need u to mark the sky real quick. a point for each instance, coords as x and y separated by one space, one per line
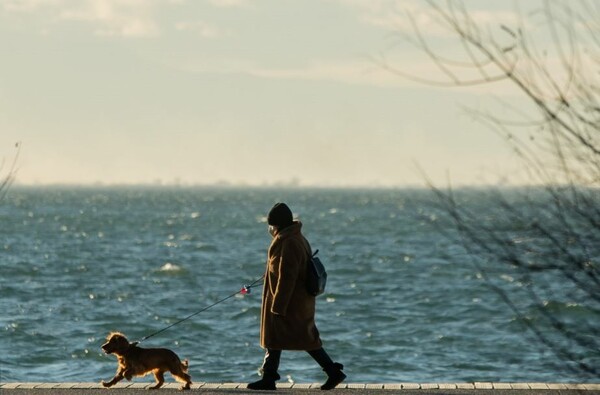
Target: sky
238 92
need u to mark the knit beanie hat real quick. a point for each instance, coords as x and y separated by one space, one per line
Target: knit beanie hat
280 216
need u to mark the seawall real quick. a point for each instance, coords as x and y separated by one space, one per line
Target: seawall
126 388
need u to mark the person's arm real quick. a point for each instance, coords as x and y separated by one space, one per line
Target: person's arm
289 268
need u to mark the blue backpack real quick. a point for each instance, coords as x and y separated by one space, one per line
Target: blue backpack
316 276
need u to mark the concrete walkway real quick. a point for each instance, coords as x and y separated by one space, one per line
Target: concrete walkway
128 388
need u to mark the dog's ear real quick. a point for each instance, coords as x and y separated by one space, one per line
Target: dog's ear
115 335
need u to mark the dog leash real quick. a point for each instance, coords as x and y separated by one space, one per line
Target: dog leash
246 289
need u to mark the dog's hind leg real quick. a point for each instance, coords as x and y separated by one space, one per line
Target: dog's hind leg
185 378
179 372
159 375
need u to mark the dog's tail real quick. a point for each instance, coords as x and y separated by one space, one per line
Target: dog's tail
185 365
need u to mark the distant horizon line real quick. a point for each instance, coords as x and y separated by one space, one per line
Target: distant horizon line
210 185
227 185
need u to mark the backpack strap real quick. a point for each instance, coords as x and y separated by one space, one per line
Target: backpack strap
309 253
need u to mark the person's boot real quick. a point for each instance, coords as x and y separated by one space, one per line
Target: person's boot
335 376
267 383
269 372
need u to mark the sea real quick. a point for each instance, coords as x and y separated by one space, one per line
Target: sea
405 301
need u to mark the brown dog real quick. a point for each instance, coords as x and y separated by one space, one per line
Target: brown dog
137 361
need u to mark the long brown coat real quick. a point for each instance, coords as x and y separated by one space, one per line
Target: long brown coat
288 310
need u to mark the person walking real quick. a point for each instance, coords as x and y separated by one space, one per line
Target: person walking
288 310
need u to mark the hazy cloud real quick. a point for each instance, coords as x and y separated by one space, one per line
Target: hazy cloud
348 71
399 16
125 18
203 29
229 3
28 5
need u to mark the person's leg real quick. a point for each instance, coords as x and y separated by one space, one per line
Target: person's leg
333 369
269 371
271 363
322 358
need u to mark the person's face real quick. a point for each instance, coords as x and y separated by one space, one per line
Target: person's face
272 230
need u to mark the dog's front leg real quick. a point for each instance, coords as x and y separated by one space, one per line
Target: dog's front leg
118 377
128 374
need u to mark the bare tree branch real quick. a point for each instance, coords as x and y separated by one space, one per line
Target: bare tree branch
10 175
550 232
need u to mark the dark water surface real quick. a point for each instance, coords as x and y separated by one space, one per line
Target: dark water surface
403 303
